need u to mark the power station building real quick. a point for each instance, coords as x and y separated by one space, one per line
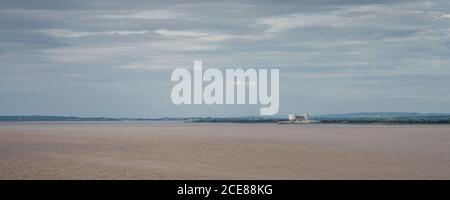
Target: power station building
293 117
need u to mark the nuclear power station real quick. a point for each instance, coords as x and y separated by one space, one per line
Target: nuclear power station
298 119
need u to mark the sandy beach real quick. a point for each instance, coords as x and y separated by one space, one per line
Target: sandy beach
169 150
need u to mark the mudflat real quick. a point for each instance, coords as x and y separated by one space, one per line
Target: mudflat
176 150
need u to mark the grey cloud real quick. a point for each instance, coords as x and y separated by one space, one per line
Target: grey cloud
122 52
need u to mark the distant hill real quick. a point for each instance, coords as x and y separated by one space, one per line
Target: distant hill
53 118
362 117
72 118
385 117
380 115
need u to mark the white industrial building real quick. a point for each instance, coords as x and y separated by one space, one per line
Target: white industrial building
298 119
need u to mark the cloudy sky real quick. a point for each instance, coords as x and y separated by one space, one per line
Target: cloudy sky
114 58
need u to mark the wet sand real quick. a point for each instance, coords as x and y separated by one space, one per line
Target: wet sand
149 150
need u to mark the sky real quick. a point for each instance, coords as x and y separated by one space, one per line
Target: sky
114 58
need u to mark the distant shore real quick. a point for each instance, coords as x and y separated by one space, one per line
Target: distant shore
352 118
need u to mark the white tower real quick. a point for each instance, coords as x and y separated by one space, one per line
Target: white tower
291 117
